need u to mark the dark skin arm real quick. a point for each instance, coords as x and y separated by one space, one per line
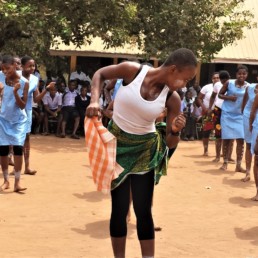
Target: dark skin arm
212 99
37 96
108 112
21 102
223 91
200 98
175 119
245 99
253 112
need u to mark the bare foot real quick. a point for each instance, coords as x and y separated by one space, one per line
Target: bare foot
240 169
4 186
224 166
255 198
216 160
205 154
18 189
231 161
30 172
246 178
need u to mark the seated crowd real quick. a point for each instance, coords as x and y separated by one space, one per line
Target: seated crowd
62 110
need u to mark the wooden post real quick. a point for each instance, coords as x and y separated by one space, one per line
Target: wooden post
73 63
115 60
198 74
156 63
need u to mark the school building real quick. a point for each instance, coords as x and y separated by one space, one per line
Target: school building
95 55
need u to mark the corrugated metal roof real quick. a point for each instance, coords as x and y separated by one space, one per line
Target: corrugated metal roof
246 49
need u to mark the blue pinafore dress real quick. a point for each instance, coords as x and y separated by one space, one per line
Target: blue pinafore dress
12 118
231 116
247 111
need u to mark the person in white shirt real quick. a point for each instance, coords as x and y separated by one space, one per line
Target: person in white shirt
80 77
52 104
69 110
204 101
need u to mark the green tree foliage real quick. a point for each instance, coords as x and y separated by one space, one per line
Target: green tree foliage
158 27
204 26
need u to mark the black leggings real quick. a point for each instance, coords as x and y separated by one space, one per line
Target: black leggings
17 150
142 187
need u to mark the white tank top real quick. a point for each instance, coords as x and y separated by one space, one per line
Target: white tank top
132 113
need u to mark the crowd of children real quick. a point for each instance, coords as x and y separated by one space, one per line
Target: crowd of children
208 109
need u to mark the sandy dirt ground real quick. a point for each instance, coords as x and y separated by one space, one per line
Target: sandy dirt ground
203 211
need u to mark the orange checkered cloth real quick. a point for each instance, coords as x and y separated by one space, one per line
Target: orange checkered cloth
101 146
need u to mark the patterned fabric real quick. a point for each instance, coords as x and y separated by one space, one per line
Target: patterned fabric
207 123
139 154
216 121
101 146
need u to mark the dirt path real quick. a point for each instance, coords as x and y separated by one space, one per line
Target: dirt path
203 211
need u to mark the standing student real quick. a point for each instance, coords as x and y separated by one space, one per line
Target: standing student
28 68
215 100
13 120
69 110
140 148
204 100
253 125
248 100
231 117
82 101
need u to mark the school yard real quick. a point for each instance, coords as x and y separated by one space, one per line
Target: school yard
203 212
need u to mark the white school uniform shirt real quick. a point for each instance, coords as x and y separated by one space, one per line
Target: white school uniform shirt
52 103
207 91
217 87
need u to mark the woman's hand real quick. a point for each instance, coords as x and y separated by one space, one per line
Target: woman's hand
209 112
50 86
93 110
16 87
232 98
178 123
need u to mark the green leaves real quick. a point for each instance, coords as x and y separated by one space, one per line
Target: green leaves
29 27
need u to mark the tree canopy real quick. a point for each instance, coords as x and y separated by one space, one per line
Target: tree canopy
205 26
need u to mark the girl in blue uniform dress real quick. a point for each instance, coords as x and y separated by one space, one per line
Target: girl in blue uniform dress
231 117
253 124
249 96
28 68
13 119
